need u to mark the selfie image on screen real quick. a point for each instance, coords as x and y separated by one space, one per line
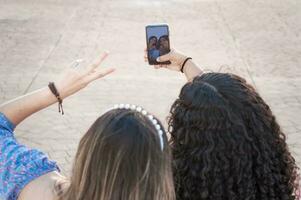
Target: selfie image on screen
158 42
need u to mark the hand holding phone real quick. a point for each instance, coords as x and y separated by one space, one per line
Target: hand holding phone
179 62
157 41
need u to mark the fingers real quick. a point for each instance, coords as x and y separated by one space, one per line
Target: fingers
163 66
99 74
164 58
101 59
145 55
104 72
160 66
97 63
157 66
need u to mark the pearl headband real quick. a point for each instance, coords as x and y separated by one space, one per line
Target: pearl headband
149 116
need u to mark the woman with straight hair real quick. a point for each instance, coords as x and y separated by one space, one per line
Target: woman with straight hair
225 140
124 155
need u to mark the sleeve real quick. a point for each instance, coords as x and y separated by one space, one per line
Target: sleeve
6 126
18 164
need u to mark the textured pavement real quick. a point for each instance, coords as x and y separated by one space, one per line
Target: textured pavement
257 39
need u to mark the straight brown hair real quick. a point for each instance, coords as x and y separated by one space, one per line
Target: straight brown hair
120 158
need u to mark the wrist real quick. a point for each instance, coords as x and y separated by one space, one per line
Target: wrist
48 95
184 63
62 89
52 87
191 70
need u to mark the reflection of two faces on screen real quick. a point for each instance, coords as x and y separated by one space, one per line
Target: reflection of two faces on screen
157 42
162 43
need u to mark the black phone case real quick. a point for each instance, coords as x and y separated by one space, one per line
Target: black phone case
151 62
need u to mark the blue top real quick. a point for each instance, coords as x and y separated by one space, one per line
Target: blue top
18 164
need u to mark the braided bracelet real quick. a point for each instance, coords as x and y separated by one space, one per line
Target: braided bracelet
55 92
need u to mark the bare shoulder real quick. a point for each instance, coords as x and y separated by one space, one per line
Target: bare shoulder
41 188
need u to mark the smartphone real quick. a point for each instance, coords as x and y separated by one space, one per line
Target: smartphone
157 42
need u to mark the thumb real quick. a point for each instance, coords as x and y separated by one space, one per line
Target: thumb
164 58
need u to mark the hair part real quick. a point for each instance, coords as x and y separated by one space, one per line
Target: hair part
120 158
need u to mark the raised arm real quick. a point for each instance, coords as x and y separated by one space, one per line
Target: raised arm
190 69
71 82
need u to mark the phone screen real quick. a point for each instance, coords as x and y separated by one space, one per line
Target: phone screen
158 44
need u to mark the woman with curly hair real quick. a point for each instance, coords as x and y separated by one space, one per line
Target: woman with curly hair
226 141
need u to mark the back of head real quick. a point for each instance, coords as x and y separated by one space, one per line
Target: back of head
227 144
120 158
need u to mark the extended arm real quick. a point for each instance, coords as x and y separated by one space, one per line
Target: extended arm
177 59
20 108
72 81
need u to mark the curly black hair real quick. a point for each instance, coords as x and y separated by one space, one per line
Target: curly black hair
227 144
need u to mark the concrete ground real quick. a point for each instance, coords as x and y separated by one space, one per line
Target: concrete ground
257 39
